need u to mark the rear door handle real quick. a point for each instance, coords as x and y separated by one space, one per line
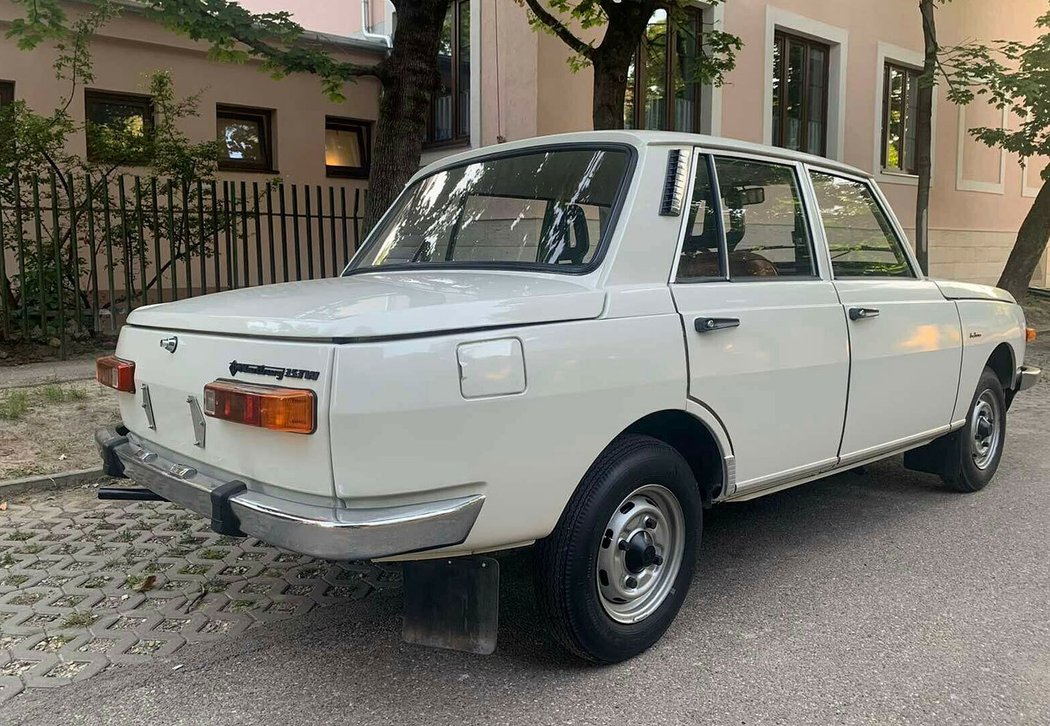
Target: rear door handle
706 325
863 313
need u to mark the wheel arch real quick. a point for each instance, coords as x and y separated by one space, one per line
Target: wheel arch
706 451
1003 362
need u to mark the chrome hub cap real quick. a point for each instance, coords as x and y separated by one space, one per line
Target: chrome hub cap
640 553
985 433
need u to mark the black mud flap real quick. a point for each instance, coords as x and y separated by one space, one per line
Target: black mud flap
937 457
107 441
452 604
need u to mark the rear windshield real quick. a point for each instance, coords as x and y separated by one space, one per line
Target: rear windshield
550 208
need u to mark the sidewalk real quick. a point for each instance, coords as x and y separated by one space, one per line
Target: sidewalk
35 374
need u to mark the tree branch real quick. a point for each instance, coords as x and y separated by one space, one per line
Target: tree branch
559 28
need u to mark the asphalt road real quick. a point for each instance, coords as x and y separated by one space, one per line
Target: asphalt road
873 597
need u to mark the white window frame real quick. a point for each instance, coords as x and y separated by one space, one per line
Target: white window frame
962 184
889 53
837 39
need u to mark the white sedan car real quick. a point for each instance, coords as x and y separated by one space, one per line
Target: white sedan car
579 342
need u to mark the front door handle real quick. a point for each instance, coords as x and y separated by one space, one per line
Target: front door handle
706 325
863 313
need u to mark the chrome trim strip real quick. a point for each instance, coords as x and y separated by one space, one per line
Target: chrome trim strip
892 447
200 426
332 533
147 406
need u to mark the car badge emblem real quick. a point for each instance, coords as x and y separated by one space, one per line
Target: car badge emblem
170 344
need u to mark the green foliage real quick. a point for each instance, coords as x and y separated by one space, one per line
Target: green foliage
1008 75
14 405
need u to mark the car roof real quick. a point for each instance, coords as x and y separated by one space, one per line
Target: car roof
640 139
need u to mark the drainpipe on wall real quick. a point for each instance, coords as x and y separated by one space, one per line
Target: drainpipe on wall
368 33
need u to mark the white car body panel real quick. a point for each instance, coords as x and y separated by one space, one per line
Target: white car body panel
438 384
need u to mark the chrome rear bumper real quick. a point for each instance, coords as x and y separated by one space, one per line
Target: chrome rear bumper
332 533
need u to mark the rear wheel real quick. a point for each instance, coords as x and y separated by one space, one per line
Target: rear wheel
613 574
979 446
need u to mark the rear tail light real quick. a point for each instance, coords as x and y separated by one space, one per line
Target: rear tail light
1030 335
116 373
269 407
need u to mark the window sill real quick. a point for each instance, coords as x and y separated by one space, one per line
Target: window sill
463 143
246 170
890 176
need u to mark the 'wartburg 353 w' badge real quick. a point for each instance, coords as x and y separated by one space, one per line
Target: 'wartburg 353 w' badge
277 372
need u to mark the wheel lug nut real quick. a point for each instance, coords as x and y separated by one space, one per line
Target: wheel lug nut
650 523
631 582
658 560
622 544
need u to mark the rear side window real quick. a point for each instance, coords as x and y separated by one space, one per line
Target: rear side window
759 218
861 239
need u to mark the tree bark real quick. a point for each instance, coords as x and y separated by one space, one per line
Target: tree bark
1029 248
924 136
409 77
612 60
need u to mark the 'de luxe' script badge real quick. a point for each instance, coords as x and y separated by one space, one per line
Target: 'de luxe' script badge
277 372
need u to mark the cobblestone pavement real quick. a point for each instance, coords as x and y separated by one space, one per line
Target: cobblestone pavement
86 584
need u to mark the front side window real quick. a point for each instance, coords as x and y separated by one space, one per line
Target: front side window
347 148
118 126
449 119
800 94
245 139
663 91
549 208
861 240
900 113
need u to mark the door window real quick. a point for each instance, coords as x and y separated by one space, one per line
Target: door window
861 240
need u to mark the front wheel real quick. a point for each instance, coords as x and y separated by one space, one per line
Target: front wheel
613 574
979 445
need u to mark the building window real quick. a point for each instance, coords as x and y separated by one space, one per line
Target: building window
245 139
900 112
118 126
7 93
449 119
663 91
347 148
800 94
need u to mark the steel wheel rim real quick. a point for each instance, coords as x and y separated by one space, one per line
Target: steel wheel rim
640 553
985 430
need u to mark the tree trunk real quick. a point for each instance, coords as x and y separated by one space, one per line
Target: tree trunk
924 136
1029 248
408 76
612 60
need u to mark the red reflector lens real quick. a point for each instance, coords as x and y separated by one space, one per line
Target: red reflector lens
280 409
116 373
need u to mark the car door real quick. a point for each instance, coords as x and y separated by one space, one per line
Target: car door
905 337
766 338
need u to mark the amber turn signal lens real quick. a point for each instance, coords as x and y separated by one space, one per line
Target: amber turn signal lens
1030 335
269 407
116 373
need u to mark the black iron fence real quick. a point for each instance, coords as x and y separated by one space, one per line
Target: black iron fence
80 253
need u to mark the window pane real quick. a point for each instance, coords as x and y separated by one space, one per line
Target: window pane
894 119
463 92
7 93
550 208
242 139
344 145
441 105
655 56
911 116
861 241
117 126
795 91
683 76
766 231
701 256
628 104
815 101
123 117
778 90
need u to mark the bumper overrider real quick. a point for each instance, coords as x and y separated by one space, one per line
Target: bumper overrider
332 533
1028 377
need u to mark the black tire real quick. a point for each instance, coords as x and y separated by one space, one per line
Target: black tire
566 561
966 471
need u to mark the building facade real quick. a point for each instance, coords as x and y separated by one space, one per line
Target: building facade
831 77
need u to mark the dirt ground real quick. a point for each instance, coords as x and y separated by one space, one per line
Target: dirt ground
49 429
1037 311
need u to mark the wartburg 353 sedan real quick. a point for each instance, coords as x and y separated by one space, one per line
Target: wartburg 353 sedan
579 342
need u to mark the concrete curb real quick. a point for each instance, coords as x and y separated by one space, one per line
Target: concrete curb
49 482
